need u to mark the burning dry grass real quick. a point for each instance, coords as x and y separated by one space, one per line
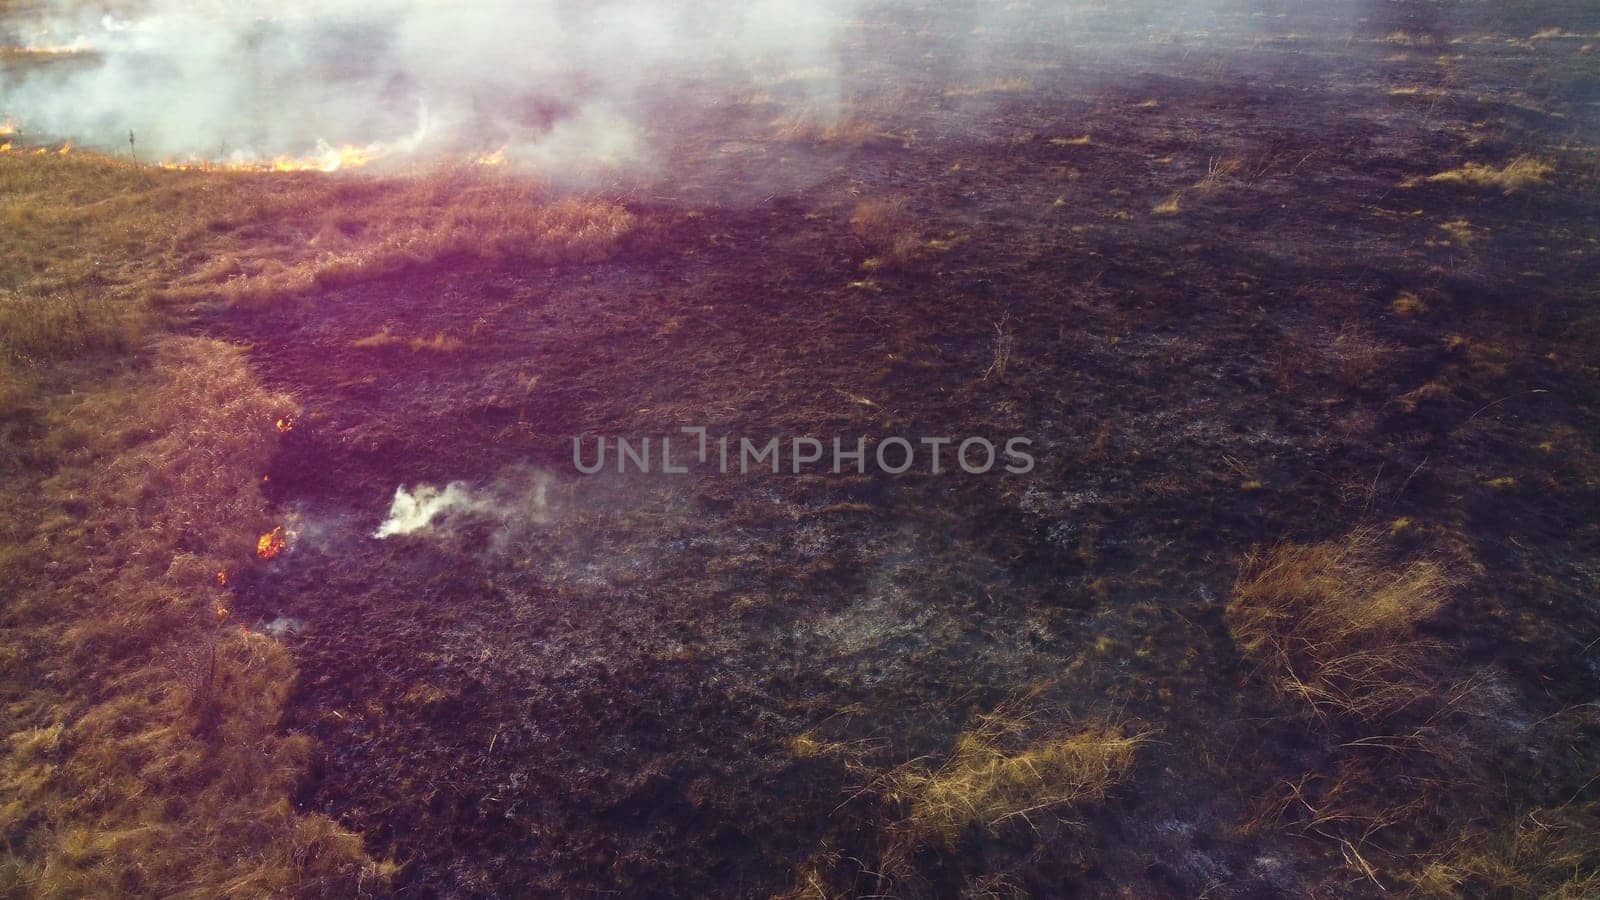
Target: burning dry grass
145 755
1518 174
1330 625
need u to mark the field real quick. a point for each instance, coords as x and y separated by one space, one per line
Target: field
1298 304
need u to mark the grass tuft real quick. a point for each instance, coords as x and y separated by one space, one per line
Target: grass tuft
883 226
1332 626
994 775
1518 174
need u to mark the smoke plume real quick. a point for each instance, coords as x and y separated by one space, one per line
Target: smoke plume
411 512
516 499
547 83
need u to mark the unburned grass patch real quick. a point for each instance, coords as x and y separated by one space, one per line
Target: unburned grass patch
57 325
91 241
1010 771
1334 627
145 756
384 339
1553 853
883 225
994 775
1518 174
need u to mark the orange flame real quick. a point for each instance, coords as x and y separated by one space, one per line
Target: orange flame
8 127
222 613
272 544
284 426
78 46
5 148
65 148
497 158
327 158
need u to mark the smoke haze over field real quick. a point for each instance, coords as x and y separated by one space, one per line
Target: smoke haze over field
562 88
554 83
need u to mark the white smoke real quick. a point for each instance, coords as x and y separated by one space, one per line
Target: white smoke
411 512
552 83
517 498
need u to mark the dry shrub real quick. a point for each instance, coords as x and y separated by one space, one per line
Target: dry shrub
146 757
1522 172
995 774
883 225
1332 626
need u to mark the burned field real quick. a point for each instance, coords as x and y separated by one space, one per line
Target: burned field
1297 309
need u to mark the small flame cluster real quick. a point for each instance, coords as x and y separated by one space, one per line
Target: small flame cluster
272 544
284 426
63 150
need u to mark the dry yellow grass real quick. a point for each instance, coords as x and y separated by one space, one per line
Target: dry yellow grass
1218 171
1522 172
995 774
90 242
883 225
1549 853
1332 626
144 756
439 343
